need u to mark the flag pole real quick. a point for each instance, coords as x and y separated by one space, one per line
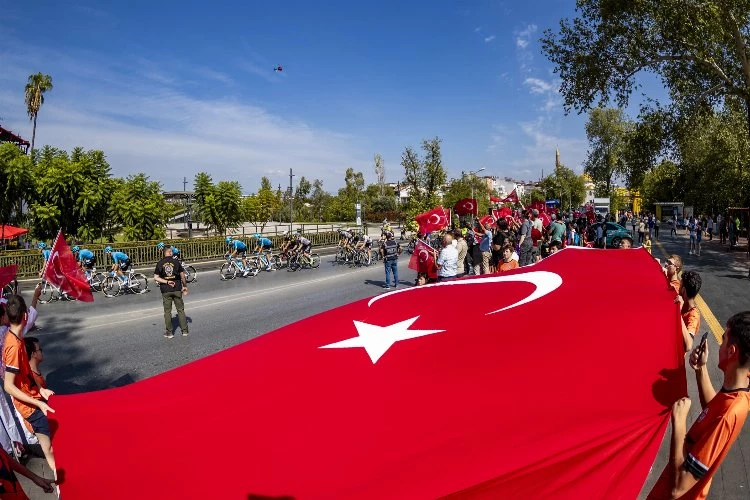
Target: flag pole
46 262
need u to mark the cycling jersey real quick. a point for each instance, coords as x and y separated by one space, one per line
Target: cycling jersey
265 242
119 257
46 254
346 235
238 245
85 254
367 240
303 241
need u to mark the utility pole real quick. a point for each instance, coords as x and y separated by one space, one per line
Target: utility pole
291 199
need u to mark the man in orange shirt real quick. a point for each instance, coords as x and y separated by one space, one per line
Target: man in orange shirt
29 400
696 454
691 316
508 263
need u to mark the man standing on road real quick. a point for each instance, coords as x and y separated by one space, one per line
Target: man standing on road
525 241
447 261
463 249
171 278
697 454
390 251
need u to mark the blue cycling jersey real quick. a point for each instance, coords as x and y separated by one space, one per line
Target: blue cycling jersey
46 254
238 245
265 242
85 254
118 257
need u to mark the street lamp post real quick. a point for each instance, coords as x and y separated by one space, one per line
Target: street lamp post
472 185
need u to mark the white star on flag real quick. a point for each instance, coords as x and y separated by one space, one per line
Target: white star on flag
376 340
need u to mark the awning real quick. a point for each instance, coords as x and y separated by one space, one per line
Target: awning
10 232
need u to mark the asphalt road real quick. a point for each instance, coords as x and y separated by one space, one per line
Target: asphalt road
116 341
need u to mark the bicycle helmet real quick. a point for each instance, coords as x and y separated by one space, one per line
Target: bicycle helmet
41 245
389 234
256 235
299 230
108 250
228 240
160 245
76 249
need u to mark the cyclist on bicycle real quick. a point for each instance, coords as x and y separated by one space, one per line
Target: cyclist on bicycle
85 257
263 245
237 247
364 241
175 250
120 262
303 243
288 245
46 252
344 238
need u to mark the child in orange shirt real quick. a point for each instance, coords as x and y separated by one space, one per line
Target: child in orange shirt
508 263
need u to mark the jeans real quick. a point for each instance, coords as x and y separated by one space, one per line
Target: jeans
525 257
391 266
167 299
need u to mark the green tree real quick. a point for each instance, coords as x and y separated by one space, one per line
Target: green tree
319 200
16 182
461 188
301 193
36 87
698 49
260 208
607 130
380 173
566 186
662 183
203 185
423 178
138 206
435 175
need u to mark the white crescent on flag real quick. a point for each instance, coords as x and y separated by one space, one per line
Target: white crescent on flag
437 217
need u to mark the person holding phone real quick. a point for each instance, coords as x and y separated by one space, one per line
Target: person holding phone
696 454
691 316
170 275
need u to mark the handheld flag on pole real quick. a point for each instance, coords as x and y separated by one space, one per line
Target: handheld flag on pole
63 271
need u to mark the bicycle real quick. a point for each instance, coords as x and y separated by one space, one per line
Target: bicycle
10 289
299 261
190 273
261 261
51 292
114 285
362 256
94 278
344 255
230 268
281 260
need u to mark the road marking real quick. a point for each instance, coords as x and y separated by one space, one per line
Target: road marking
706 312
210 301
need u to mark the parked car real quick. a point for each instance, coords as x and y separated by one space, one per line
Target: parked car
615 234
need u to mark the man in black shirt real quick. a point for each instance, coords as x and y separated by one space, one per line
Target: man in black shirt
171 278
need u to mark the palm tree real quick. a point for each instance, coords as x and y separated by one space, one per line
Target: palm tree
37 85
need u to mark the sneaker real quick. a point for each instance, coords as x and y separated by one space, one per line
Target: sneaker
386 287
185 333
245 273
168 335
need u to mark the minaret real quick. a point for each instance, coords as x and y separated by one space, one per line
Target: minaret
557 158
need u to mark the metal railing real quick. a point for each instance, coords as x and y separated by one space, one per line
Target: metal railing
145 252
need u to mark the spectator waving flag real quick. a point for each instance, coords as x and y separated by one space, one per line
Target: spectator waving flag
63 271
423 259
466 206
372 399
432 220
7 274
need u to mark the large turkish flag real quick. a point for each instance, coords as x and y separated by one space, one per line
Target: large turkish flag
466 206
407 396
63 271
432 220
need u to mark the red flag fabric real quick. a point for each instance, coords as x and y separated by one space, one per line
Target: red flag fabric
63 271
10 232
545 219
511 198
539 205
432 220
495 199
502 213
466 206
487 221
400 397
423 259
7 274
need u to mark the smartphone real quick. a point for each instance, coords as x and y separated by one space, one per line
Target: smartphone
702 345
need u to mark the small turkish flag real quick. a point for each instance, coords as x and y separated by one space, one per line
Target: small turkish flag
467 388
7 274
546 221
432 220
423 259
502 213
466 206
511 198
63 271
487 221
495 199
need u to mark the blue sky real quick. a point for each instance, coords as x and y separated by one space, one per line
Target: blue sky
172 90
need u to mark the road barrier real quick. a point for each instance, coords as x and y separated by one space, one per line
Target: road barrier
145 252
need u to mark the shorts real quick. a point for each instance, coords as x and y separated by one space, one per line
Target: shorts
39 423
368 244
306 248
89 263
124 266
267 247
242 253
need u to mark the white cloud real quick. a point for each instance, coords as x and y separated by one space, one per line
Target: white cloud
498 139
477 29
521 43
523 37
548 89
537 86
523 52
488 39
540 153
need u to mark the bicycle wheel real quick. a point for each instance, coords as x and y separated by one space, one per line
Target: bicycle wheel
293 263
49 293
314 260
410 246
7 291
112 286
190 274
138 283
228 271
252 266
97 281
276 261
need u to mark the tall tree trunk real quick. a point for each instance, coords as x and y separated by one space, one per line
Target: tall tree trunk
33 134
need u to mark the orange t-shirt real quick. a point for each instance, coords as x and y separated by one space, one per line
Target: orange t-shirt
675 283
16 361
707 443
507 266
39 379
692 320
10 488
